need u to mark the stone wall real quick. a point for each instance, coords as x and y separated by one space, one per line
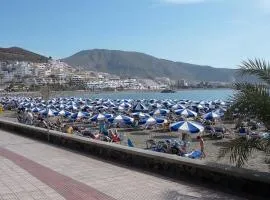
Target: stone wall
241 181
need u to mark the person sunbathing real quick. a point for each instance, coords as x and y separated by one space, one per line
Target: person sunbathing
70 130
115 137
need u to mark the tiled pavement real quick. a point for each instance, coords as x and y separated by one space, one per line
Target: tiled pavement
33 170
16 183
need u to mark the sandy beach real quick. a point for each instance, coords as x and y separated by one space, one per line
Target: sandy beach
212 146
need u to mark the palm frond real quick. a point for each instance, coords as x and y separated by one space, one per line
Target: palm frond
240 149
252 100
257 67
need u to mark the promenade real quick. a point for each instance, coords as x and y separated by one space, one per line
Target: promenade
30 169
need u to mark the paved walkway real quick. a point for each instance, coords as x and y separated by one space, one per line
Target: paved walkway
33 170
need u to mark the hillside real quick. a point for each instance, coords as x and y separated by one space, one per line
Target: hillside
141 65
18 54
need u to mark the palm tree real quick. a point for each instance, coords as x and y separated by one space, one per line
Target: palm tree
251 100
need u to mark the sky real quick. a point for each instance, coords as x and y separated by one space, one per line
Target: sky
219 33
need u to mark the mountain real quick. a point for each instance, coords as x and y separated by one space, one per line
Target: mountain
135 64
19 54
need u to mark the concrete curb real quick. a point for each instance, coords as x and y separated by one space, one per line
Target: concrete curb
237 180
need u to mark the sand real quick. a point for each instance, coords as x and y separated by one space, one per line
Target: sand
212 146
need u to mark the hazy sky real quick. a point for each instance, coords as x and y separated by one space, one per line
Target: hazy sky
219 33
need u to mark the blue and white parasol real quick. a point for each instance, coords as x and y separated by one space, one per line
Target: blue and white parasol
161 112
140 115
190 127
186 113
125 105
178 106
211 116
98 117
35 110
123 119
139 107
148 121
161 120
64 113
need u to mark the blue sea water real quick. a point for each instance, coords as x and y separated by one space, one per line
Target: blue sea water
196 95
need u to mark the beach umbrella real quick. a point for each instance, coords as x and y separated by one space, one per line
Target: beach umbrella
156 105
161 120
202 103
200 106
211 115
109 103
186 113
139 107
87 114
35 110
43 112
47 112
72 107
120 108
125 105
64 113
167 103
140 115
85 107
219 102
80 114
220 110
178 106
101 107
148 121
190 127
98 117
51 113
73 116
123 119
161 112
108 115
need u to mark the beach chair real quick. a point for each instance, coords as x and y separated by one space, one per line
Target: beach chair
218 132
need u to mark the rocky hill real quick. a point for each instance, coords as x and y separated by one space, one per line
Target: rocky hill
19 54
141 65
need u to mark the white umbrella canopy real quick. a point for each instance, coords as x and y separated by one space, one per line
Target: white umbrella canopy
211 115
140 115
186 113
123 118
161 112
178 106
98 117
150 121
189 127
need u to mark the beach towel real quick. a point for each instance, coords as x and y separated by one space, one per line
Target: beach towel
194 154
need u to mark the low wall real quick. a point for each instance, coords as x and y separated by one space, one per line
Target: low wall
242 181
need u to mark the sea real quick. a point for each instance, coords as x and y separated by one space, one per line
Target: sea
193 94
